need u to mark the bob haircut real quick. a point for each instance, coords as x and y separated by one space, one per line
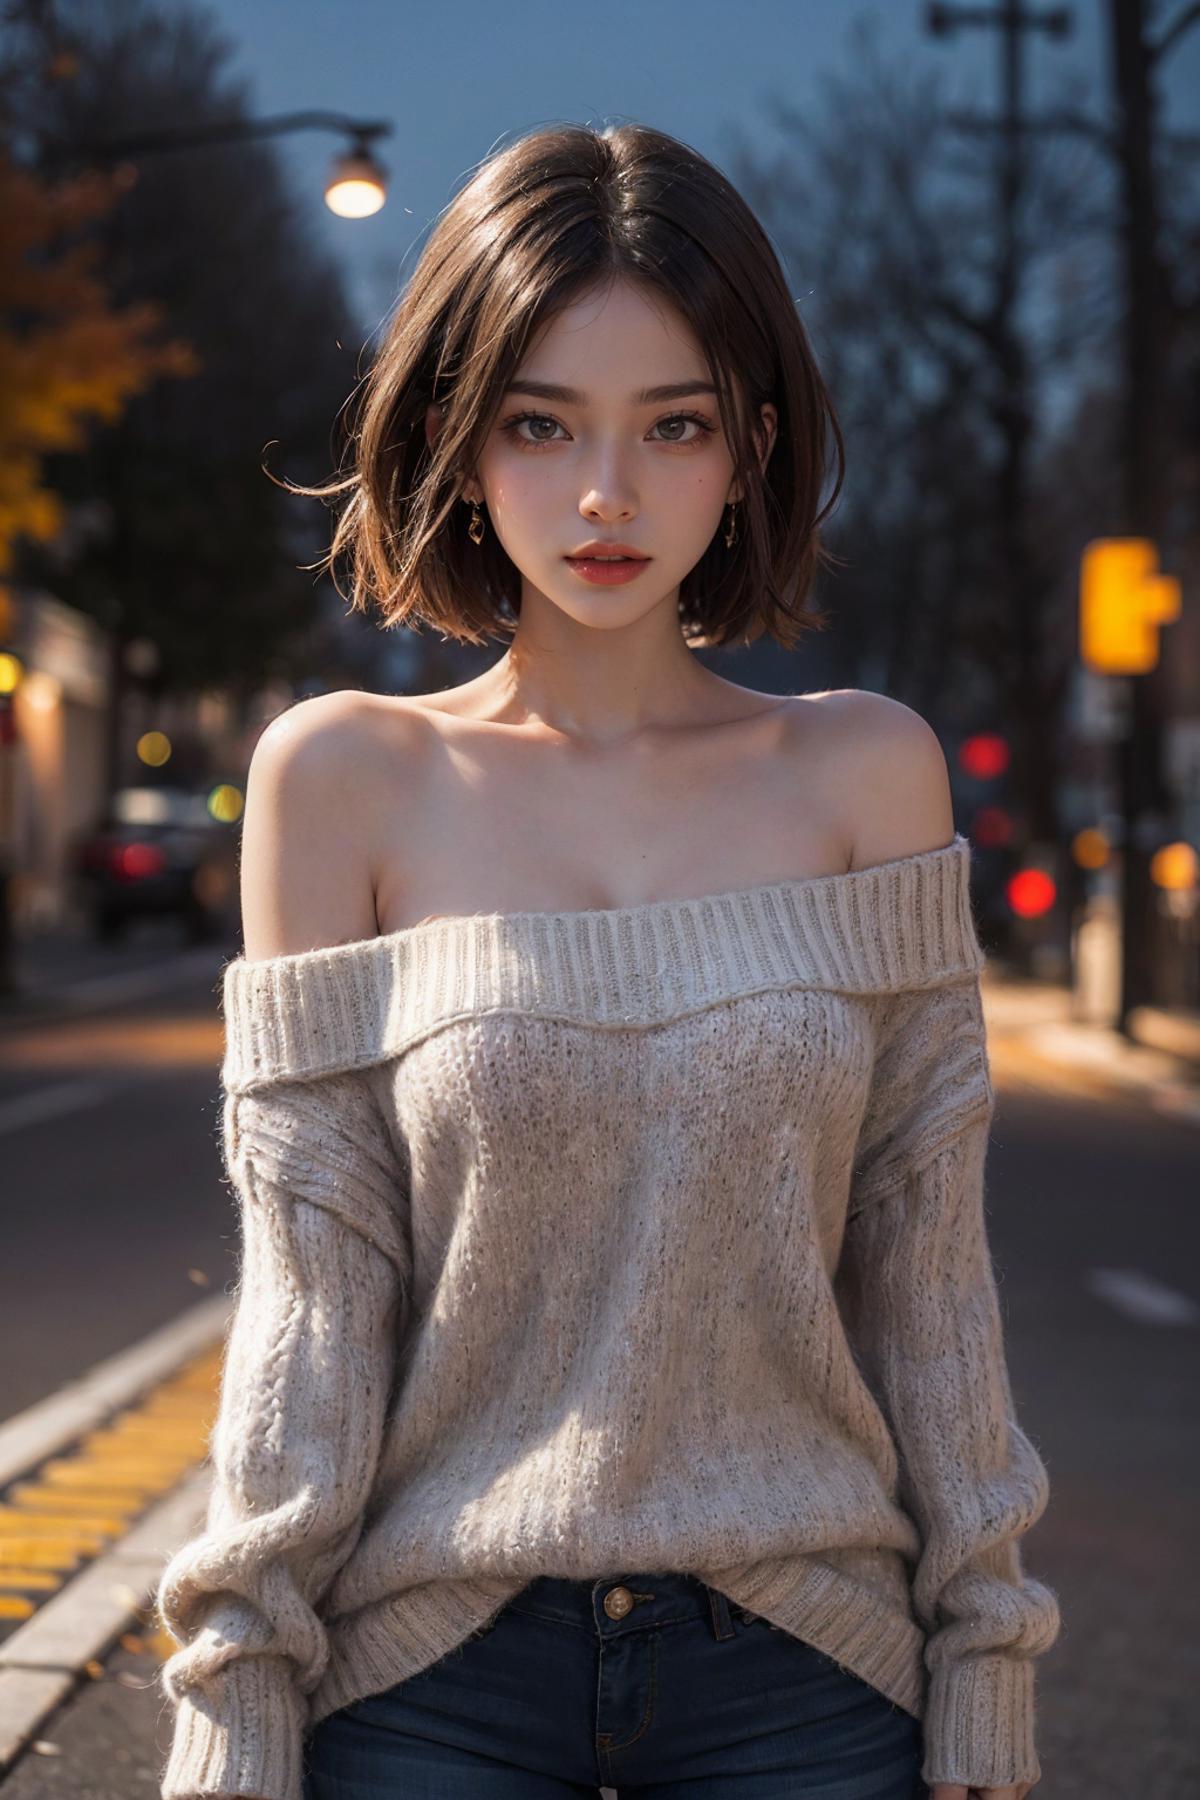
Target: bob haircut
562 211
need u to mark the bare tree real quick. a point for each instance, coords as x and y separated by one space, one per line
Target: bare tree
885 218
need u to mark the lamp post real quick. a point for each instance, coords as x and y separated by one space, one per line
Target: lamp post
357 184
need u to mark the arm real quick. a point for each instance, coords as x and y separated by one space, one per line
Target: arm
919 1297
324 1279
306 1377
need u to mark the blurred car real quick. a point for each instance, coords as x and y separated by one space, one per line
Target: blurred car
159 852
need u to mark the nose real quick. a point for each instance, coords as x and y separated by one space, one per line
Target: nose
608 507
609 497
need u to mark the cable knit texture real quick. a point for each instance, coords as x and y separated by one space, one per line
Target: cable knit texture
599 1242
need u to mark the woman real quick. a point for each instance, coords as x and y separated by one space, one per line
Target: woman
616 1392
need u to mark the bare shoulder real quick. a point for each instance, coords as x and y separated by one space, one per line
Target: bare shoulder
889 774
306 876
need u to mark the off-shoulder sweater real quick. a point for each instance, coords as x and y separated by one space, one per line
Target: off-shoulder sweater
597 1242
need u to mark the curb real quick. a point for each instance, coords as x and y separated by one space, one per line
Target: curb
52 1425
46 1658
43 1663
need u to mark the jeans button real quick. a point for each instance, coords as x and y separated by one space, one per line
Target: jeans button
617 1602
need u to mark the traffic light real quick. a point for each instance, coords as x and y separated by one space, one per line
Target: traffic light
1122 602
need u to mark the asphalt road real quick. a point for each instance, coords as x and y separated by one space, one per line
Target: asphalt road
116 1215
116 1218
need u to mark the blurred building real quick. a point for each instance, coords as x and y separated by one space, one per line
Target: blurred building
55 785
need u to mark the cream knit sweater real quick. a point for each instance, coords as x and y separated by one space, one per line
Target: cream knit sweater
588 1243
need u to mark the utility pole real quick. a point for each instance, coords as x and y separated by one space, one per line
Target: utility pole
1145 490
1012 406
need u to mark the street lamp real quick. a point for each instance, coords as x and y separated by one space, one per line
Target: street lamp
357 184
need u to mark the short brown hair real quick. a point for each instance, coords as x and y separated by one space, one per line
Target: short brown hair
562 210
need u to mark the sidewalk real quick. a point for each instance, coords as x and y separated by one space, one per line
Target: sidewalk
1035 1042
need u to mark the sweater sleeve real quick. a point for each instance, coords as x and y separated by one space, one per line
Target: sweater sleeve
308 1363
920 1300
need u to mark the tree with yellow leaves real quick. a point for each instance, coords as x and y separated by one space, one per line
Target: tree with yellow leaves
67 355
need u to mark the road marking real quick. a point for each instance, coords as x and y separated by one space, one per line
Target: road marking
45 1103
1143 1298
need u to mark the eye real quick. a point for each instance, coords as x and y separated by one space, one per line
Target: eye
529 418
703 427
511 427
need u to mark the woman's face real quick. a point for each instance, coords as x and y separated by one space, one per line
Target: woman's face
602 462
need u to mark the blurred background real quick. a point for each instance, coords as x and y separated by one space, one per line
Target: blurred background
990 219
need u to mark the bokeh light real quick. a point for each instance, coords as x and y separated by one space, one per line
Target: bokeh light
154 748
1090 848
1030 893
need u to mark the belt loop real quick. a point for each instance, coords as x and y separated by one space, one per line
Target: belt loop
722 1623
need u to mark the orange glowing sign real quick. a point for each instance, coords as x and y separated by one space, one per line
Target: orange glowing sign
1122 602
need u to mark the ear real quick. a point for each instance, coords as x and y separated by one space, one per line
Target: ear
764 439
769 431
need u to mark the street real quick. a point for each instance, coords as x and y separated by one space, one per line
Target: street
117 1219
854 495
115 1215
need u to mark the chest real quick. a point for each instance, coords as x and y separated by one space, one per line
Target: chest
538 1102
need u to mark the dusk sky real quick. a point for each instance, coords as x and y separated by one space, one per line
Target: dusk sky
459 81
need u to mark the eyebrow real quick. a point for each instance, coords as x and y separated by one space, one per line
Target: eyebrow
550 390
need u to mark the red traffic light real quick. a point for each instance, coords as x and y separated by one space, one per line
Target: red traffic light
984 756
1031 893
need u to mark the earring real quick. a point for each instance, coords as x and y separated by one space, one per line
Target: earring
475 529
731 533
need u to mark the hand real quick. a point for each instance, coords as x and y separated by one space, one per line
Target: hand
954 1790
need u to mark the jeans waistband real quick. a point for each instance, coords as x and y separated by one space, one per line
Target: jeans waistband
612 1604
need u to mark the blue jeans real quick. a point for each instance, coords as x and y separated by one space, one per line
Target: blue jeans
653 1684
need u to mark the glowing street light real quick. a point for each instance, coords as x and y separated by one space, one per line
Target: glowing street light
357 187
357 184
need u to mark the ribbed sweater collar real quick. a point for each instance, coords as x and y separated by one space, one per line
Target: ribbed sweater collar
895 925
